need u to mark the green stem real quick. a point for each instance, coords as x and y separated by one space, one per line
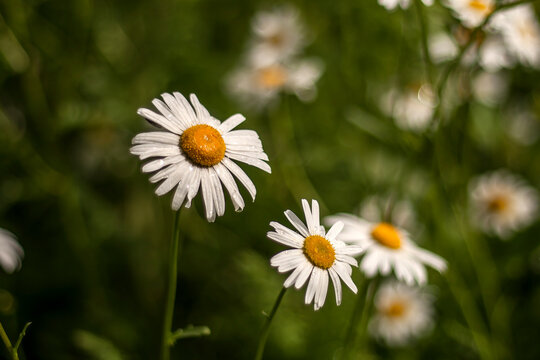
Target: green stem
171 295
425 49
266 328
7 342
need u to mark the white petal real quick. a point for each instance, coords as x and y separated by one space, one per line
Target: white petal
312 230
158 164
343 272
284 239
285 257
337 285
201 111
307 269
313 284
193 187
172 180
297 223
217 191
145 151
315 215
227 180
250 161
189 115
298 268
159 120
183 187
207 196
240 175
334 231
322 290
280 229
156 137
231 123
178 111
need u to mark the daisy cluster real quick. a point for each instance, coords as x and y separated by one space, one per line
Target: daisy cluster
272 64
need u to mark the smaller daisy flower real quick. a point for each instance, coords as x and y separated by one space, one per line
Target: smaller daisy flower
279 35
316 255
502 203
493 55
11 252
404 4
257 86
442 47
387 247
403 313
472 12
197 151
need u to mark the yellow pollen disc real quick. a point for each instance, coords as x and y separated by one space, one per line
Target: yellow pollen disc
498 204
272 77
479 5
396 309
319 251
386 235
203 144
276 39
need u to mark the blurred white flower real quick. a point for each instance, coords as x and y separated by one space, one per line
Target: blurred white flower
523 126
404 4
442 47
402 313
278 35
472 12
316 255
493 55
502 203
387 247
257 86
490 88
11 252
197 150
411 108
521 33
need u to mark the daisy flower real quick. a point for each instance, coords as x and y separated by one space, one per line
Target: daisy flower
442 47
11 252
490 88
402 313
387 247
278 35
316 255
256 86
404 4
472 12
502 203
197 151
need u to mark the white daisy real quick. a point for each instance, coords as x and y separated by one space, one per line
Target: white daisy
521 33
442 47
315 255
404 4
256 86
278 35
472 12
502 203
493 55
387 247
403 313
490 88
11 252
197 150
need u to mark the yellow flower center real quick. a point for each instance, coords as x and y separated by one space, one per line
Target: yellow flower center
203 145
387 235
497 204
319 251
272 77
395 310
277 39
479 6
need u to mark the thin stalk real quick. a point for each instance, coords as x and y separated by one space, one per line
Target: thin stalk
7 342
266 328
171 295
425 50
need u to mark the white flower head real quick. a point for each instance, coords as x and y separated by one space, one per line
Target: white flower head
387 247
521 33
197 151
316 255
493 55
502 203
472 12
278 35
490 88
257 86
442 47
404 4
402 313
11 252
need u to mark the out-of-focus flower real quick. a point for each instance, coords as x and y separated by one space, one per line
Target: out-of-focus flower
502 203
278 35
197 150
387 247
402 313
257 86
493 55
411 108
471 12
442 47
401 212
490 88
404 4
521 33
11 252
316 255
523 126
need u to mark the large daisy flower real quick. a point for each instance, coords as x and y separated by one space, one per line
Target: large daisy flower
11 252
197 151
387 247
316 255
472 12
502 203
402 313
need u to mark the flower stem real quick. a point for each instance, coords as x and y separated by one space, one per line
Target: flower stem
7 342
424 31
171 295
266 328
